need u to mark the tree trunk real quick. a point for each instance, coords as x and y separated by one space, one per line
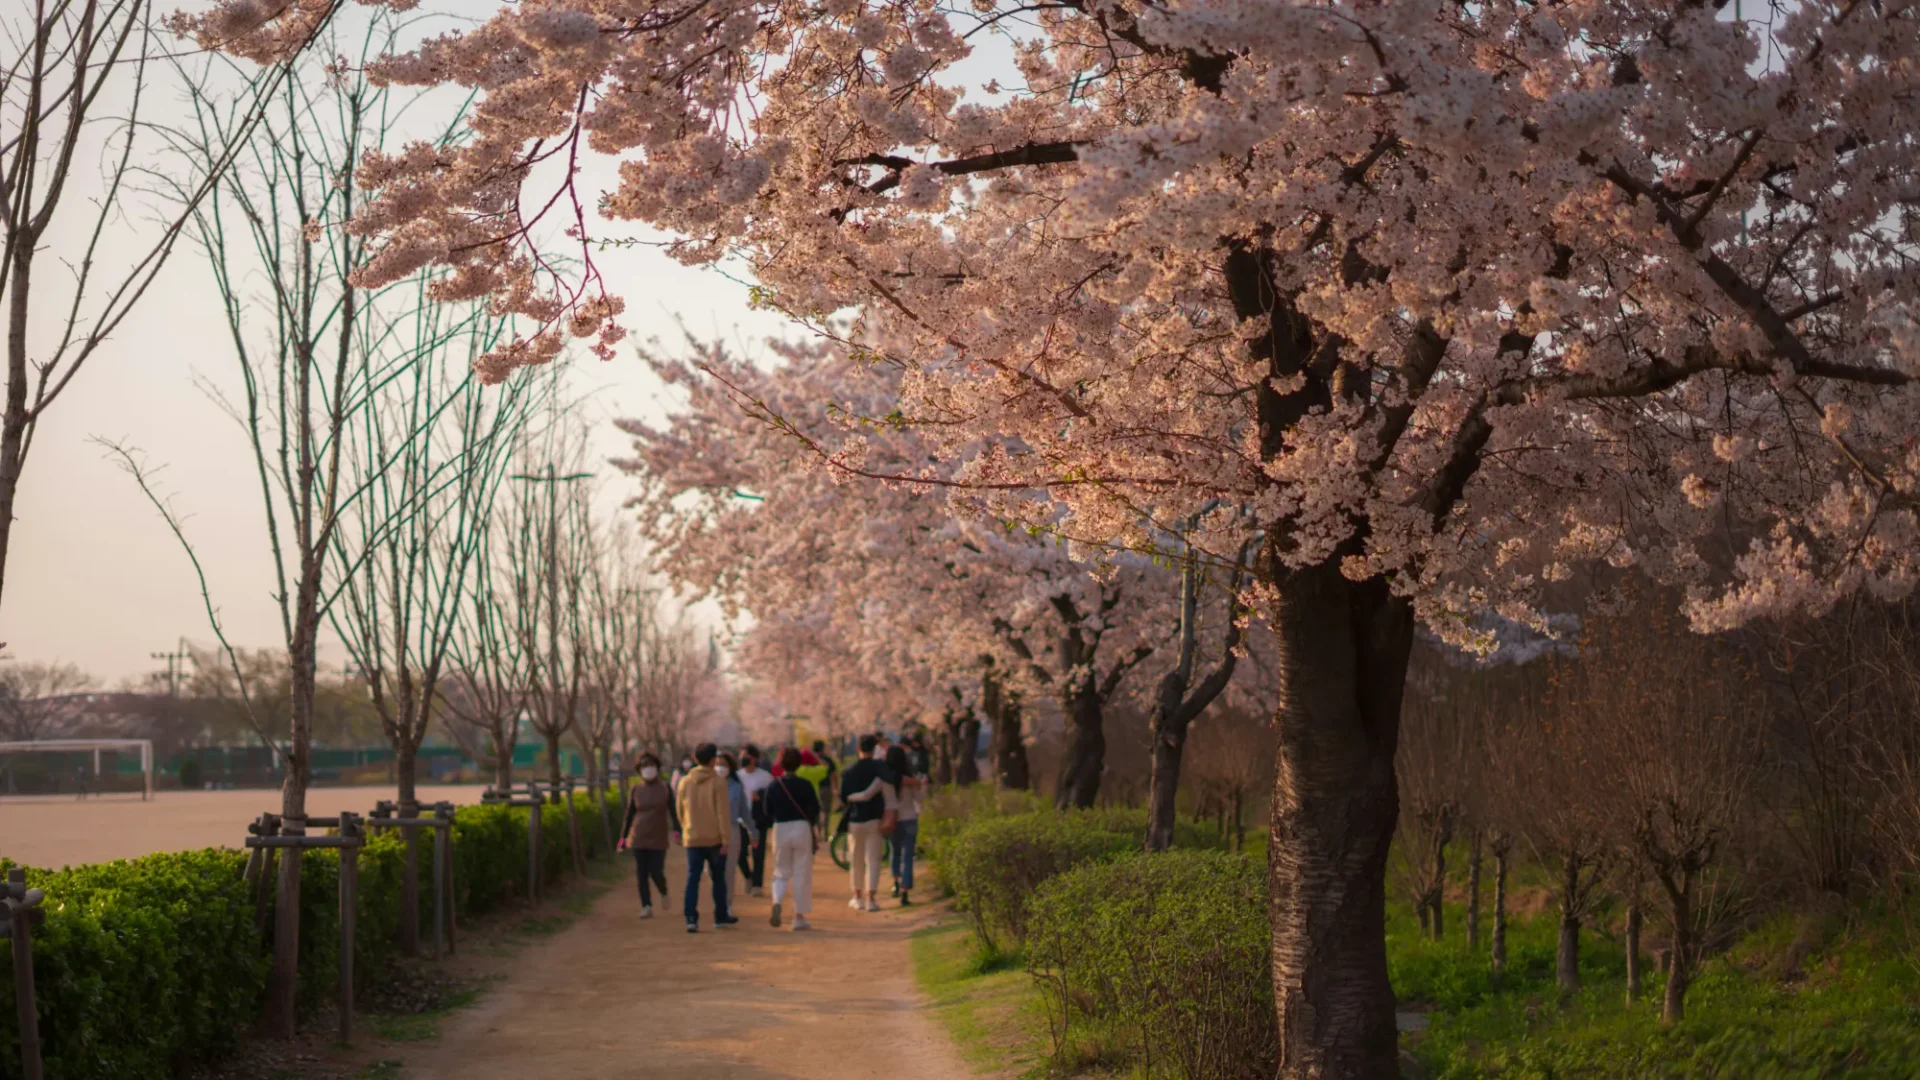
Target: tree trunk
1009 748
1501 857
1566 963
1673 1007
1473 888
1086 751
966 763
503 761
943 755
1634 976
283 977
554 752
407 934
1163 785
13 428
1343 660
1438 897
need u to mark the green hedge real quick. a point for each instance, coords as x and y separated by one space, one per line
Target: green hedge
1171 949
991 849
146 964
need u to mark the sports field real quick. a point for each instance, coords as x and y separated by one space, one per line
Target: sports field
60 830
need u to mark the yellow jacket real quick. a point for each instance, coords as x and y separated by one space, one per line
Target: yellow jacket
703 809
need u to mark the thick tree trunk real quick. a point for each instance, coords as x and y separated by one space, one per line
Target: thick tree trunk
1163 785
1501 857
943 753
1343 662
1086 751
554 753
1009 746
1634 975
1566 961
407 934
966 762
1473 888
503 762
1673 1007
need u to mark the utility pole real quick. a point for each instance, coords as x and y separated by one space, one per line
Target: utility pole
175 661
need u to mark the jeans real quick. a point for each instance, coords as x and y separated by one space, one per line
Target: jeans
753 858
714 861
863 860
650 866
906 833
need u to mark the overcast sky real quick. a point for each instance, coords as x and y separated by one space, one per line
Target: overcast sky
95 578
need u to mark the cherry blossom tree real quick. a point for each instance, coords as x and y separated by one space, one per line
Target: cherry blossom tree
1450 298
911 603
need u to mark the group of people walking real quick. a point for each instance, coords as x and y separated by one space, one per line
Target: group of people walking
723 810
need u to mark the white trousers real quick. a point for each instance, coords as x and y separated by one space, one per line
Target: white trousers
793 864
863 862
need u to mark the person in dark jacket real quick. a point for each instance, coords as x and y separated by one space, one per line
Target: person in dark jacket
868 788
651 818
793 806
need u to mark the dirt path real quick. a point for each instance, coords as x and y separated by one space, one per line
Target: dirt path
614 996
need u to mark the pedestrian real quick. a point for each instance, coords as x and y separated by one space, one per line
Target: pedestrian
753 857
740 817
650 819
680 771
868 789
794 807
831 785
818 773
705 823
912 785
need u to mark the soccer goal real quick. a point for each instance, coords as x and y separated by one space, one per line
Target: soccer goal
81 749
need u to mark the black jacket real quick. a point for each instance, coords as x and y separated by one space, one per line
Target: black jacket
791 799
859 777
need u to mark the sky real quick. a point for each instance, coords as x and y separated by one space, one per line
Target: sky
94 576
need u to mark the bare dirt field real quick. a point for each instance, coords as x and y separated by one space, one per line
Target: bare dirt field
60 830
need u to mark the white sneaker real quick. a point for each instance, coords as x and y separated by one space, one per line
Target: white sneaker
856 904
872 906
800 923
646 911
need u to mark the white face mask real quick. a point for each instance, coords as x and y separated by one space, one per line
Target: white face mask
720 771
649 773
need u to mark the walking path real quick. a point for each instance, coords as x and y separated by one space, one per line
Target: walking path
614 997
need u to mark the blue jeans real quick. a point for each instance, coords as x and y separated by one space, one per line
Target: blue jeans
905 835
715 861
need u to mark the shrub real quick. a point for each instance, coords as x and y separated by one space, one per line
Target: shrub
994 864
1169 948
141 965
145 964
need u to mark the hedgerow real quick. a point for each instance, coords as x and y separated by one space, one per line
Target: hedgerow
143 965
1167 950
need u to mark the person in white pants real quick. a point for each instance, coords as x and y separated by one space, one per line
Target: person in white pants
794 807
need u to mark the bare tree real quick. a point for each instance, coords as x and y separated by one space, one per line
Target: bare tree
36 698
279 216
425 456
1686 732
75 76
487 692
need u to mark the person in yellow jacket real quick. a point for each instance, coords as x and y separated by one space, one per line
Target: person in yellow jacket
705 828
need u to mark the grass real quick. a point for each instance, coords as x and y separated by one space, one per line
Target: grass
983 999
1850 1012
423 1026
